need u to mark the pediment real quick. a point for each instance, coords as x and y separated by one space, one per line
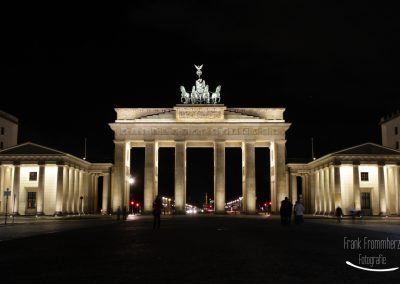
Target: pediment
30 148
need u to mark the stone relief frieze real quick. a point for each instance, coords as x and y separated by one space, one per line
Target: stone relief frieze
192 131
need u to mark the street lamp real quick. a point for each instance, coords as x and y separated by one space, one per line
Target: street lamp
131 180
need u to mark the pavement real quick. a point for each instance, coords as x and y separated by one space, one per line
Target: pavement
196 249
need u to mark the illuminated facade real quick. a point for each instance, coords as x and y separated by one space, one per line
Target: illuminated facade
44 181
8 130
199 125
390 128
364 177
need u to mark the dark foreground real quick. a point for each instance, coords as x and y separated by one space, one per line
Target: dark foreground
199 249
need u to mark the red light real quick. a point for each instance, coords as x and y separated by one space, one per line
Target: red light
137 204
265 204
132 203
269 203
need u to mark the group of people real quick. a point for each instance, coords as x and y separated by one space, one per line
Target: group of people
124 213
157 208
287 209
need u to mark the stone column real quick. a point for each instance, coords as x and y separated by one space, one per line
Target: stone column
279 152
40 192
59 192
85 192
150 175
332 188
382 195
180 176
356 189
81 192
15 190
327 191
65 189
219 177
390 191
2 189
95 193
322 190
312 189
398 188
338 189
76 191
106 194
293 182
306 193
119 179
70 189
249 192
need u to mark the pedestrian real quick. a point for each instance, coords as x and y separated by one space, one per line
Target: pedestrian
157 207
289 210
298 213
119 213
124 213
339 214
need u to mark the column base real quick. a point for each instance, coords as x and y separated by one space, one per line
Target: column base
39 213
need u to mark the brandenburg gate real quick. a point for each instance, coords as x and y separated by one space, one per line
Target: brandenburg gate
200 121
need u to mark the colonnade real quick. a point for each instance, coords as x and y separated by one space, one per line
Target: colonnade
121 174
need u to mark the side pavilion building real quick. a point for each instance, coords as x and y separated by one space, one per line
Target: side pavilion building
44 181
364 177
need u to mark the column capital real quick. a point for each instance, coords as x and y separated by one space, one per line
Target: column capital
280 141
356 163
381 163
17 163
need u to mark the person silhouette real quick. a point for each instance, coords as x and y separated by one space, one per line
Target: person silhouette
119 213
157 207
339 214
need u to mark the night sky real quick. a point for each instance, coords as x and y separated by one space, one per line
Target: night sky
334 67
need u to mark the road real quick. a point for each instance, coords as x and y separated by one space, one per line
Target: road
196 249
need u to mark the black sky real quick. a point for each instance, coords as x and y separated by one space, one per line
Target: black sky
334 66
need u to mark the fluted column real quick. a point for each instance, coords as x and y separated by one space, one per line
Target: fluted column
81 192
106 194
338 190
322 191
356 189
121 171
65 189
40 192
318 191
312 189
390 191
2 188
71 177
95 193
249 190
382 194
150 175
306 193
75 204
59 190
219 177
398 188
332 188
85 192
327 191
281 190
180 176
16 184
293 182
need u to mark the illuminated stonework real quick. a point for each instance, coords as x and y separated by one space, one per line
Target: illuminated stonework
200 125
365 177
45 181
